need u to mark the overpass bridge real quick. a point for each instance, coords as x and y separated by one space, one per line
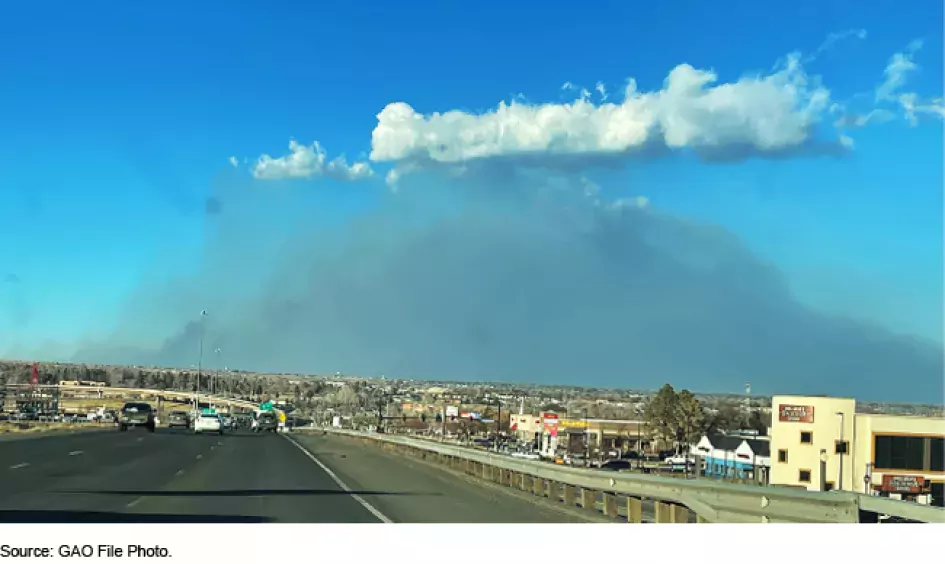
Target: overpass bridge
143 392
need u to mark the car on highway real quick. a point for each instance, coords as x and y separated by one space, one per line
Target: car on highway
136 414
266 421
208 423
228 421
178 419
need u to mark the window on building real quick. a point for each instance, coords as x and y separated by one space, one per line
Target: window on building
782 455
842 447
898 452
828 486
807 437
803 476
937 454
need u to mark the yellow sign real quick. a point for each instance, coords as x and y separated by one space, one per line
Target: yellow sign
282 417
579 423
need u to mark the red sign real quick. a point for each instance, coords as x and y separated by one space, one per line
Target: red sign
796 413
893 483
550 421
34 378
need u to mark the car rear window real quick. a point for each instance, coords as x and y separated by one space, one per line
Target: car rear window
136 407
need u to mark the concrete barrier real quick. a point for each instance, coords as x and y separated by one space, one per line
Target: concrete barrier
621 495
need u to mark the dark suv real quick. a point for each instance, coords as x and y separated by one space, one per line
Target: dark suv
136 414
266 422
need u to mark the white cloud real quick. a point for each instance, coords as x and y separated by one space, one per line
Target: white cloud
897 71
833 38
309 161
763 114
234 161
896 75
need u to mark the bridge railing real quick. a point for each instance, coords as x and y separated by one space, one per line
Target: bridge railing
622 495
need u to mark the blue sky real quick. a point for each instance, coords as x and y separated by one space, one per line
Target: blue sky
120 118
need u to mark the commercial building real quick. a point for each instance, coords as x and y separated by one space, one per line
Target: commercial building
822 443
734 457
599 437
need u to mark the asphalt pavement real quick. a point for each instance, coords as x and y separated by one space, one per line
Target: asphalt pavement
176 476
169 476
408 490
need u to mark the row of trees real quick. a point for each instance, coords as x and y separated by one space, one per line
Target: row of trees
679 418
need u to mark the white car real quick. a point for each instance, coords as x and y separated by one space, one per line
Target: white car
208 423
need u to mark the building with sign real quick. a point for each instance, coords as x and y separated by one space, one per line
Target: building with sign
822 443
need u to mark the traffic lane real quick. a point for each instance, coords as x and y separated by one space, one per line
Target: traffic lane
51 433
427 493
68 481
27 463
26 447
254 476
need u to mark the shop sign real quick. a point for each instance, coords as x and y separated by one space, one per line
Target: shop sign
796 413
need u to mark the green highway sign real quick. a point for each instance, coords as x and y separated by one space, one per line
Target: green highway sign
266 406
209 411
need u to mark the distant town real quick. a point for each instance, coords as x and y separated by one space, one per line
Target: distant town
356 396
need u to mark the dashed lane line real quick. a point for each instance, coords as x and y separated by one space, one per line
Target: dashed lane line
75 453
371 509
20 465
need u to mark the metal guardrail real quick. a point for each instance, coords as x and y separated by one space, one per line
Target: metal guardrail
711 501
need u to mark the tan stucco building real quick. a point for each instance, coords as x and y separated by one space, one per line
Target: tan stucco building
822 443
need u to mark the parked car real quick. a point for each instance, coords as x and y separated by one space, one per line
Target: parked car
616 465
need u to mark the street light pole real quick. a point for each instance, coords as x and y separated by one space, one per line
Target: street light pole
587 439
203 315
216 373
841 449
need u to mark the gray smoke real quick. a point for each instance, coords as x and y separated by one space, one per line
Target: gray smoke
505 278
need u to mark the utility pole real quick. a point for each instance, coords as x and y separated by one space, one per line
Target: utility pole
216 374
443 424
203 315
587 440
498 423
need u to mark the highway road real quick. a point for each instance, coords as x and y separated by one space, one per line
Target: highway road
174 476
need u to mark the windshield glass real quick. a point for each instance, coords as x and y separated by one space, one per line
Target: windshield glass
548 233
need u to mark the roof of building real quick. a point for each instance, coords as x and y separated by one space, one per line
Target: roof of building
724 442
760 448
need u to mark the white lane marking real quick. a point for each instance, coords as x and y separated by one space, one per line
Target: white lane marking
371 509
199 456
20 465
75 453
179 473
135 502
139 439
